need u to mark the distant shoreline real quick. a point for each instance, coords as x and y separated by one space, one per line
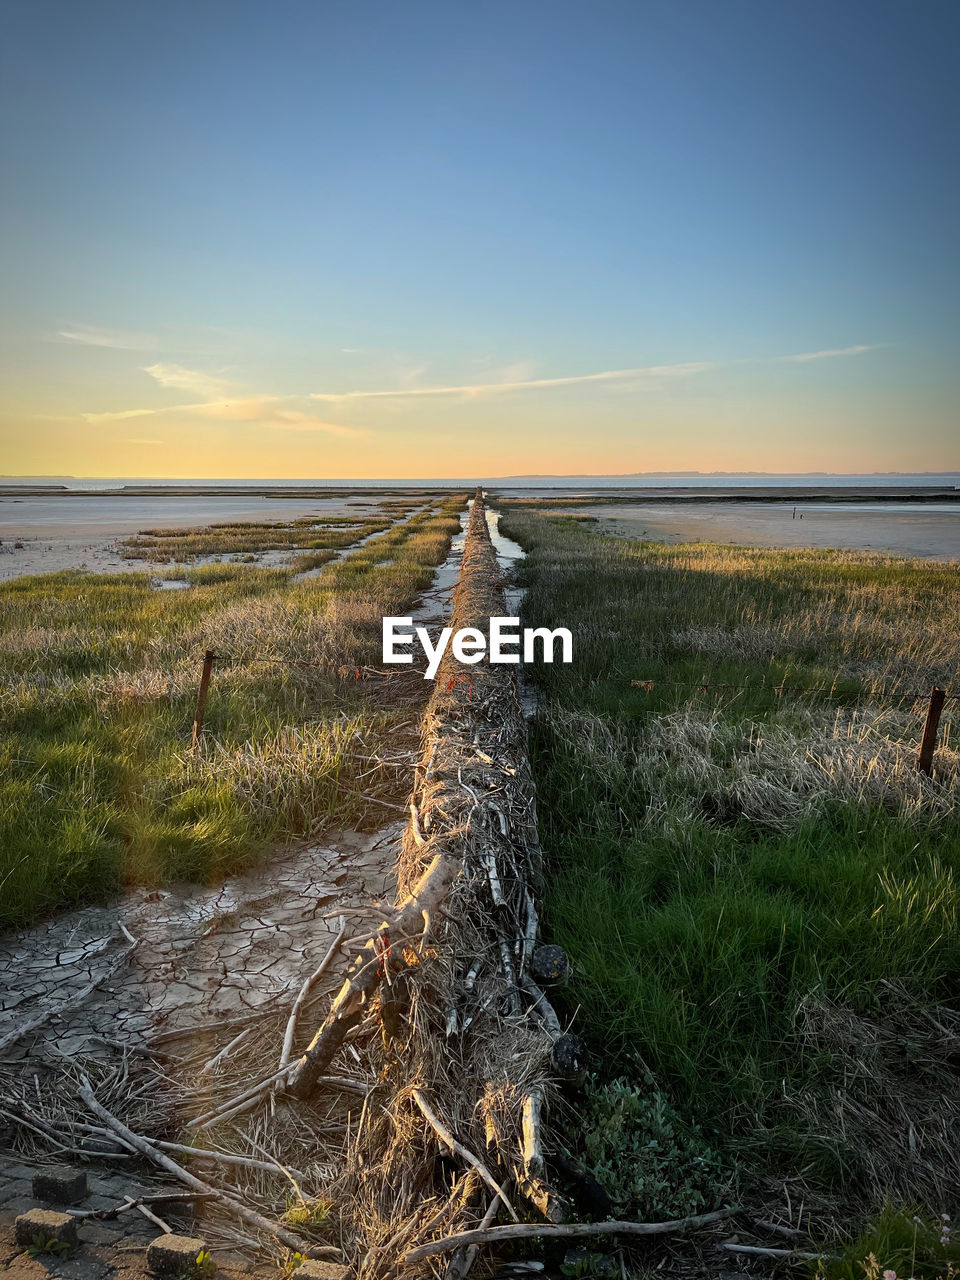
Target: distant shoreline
560 493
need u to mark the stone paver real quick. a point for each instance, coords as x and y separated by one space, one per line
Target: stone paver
60 1185
176 1256
45 1225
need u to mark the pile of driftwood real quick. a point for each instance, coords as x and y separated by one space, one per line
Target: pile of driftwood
469 1039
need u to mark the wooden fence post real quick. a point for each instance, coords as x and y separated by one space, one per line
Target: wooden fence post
928 742
202 698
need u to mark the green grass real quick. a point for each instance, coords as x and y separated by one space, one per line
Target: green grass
759 893
98 681
249 538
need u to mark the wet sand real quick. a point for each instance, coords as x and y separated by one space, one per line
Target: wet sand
82 532
893 530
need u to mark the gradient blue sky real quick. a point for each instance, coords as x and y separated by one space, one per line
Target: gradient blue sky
225 224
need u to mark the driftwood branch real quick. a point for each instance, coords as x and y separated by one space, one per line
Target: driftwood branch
250 1216
568 1230
464 1257
205 1155
287 1051
155 1218
167 1197
458 1149
755 1251
249 1097
364 975
224 1052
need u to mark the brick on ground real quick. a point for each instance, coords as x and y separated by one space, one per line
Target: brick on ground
316 1269
62 1185
47 1224
173 1255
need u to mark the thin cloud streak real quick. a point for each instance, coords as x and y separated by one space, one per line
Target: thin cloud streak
263 411
267 411
88 335
829 355
180 378
651 372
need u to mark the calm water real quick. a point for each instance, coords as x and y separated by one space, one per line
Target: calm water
564 483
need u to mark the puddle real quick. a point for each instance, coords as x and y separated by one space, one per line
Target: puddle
434 606
169 584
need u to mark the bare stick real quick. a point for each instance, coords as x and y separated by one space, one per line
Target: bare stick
253 1093
167 1197
571 1230
227 1048
154 1218
287 1050
458 1149
755 1251
255 1219
532 1151
543 1008
205 1155
197 733
928 743
415 825
364 975
459 1268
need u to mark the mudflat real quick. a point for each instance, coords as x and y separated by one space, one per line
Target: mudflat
928 531
66 532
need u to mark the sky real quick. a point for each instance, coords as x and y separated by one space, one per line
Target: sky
323 239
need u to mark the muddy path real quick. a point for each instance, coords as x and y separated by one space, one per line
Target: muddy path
204 958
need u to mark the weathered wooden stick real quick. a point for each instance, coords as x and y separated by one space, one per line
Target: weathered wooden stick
415 825
572 1230
205 1155
227 1049
251 1096
928 743
429 893
543 1008
755 1251
463 1259
287 1050
531 1151
165 1227
250 1216
458 1149
167 1197
196 736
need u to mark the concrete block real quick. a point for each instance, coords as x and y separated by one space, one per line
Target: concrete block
62 1185
45 1224
175 1255
316 1269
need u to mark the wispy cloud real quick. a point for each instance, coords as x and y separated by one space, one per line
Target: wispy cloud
270 411
119 414
650 373
183 379
833 352
88 335
273 412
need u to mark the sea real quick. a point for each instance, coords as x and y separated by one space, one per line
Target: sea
505 484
